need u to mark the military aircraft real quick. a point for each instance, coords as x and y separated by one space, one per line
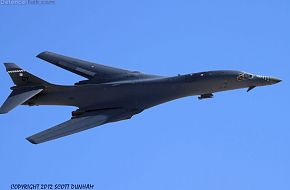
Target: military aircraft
111 94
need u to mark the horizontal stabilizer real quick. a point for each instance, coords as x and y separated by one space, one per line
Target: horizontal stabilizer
18 97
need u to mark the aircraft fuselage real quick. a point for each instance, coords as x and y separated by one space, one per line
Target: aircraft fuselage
111 94
145 93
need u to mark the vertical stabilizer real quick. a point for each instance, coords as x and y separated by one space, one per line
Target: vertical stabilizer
21 77
26 87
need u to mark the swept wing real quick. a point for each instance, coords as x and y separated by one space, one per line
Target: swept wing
82 121
96 73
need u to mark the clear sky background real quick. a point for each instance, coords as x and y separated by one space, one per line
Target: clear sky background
236 140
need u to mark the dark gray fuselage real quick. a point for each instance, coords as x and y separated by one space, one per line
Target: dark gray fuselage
144 93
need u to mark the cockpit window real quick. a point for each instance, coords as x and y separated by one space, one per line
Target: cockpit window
248 76
245 76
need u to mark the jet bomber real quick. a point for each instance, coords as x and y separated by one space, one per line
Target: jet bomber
111 94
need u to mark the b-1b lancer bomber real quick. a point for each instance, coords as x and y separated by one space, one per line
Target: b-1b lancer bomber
110 94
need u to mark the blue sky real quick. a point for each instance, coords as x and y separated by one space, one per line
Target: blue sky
237 140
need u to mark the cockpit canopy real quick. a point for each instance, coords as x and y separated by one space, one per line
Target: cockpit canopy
245 76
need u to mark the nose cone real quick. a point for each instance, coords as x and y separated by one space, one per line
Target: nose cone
274 80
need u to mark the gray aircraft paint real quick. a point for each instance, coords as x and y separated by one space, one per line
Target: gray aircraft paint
111 94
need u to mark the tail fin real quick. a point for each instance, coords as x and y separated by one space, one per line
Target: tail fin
27 86
21 77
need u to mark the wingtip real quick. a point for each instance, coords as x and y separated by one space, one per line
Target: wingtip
31 140
48 56
3 112
40 55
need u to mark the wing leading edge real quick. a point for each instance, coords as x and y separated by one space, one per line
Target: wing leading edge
81 123
96 73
